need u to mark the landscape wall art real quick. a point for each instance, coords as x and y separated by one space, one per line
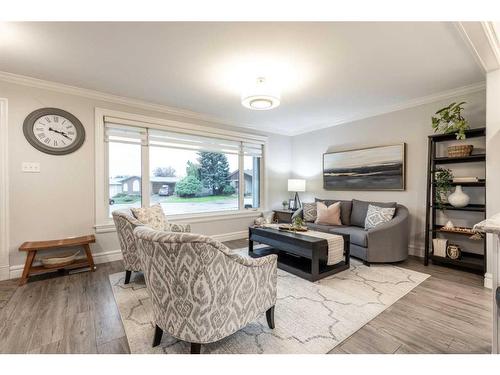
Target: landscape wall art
374 168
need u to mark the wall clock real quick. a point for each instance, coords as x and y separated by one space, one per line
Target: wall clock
54 131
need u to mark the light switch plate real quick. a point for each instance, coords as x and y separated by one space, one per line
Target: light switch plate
30 167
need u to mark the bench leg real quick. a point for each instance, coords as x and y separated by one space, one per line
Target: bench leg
27 267
90 259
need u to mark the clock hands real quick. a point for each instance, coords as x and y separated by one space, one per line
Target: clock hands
59 132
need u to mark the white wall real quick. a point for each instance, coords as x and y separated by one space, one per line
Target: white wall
492 165
59 201
411 126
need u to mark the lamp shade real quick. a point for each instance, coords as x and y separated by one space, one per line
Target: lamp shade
296 185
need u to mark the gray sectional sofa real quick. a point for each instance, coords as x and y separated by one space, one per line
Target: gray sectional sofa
386 243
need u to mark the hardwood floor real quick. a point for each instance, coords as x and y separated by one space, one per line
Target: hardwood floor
447 313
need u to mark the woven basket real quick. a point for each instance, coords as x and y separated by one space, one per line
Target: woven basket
459 151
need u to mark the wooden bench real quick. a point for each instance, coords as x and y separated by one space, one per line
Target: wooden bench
33 247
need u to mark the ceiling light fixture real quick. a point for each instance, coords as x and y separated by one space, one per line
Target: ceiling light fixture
262 96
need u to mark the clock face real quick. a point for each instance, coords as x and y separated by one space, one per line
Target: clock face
54 131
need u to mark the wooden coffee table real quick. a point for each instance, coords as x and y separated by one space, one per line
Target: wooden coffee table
298 253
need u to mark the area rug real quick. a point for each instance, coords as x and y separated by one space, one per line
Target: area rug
310 318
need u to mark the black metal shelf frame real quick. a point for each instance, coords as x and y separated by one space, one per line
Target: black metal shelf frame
469 261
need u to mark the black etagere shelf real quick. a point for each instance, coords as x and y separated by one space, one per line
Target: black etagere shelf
469 261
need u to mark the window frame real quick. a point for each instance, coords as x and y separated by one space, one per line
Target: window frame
103 223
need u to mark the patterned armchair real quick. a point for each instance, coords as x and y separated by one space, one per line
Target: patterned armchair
125 223
201 291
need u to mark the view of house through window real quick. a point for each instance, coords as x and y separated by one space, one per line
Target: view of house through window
124 175
187 181
187 173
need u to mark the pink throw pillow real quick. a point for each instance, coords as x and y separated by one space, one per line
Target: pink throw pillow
328 215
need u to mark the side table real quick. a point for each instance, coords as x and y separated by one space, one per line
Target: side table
283 216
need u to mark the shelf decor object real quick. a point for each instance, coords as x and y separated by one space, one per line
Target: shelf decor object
449 120
439 246
492 226
457 151
453 251
469 260
458 198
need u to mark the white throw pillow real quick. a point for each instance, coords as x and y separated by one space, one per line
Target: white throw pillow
151 216
378 215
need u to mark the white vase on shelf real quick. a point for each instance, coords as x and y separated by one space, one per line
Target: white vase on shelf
458 198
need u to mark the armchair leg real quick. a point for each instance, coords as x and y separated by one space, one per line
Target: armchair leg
270 317
127 276
157 337
195 348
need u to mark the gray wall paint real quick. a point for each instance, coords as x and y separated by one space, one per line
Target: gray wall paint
59 201
411 126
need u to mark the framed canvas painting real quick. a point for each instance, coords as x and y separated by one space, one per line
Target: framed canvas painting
373 168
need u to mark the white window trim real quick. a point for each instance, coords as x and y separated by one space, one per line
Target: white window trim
105 224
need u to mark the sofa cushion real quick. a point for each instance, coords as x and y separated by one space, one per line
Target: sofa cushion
378 215
345 209
318 227
360 208
358 236
328 215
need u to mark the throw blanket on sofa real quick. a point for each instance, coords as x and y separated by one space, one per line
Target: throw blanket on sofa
335 245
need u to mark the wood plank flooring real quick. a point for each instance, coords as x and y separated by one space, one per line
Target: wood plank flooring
447 313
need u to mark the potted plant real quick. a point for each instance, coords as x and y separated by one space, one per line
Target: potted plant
443 179
285 204
450 120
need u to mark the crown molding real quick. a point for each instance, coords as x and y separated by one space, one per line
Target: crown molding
111 98
483 43
475 87
189 115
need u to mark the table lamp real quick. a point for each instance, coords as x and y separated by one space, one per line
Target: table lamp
296 185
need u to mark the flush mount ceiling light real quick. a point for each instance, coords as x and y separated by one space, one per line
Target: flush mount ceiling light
262 96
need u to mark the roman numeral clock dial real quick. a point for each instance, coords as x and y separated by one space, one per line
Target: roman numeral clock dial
53 131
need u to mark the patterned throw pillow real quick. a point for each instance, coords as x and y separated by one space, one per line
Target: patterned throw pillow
152 217
378 215
309 212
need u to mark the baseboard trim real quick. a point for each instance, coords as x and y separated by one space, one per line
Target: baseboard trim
4 273
488 280
417 251
105 257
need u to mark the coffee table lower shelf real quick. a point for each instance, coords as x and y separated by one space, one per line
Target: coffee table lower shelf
300 266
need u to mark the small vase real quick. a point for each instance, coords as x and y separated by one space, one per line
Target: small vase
458 198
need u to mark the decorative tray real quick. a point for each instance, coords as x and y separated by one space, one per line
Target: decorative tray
291 228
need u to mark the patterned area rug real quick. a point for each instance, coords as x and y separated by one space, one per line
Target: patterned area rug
310 317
